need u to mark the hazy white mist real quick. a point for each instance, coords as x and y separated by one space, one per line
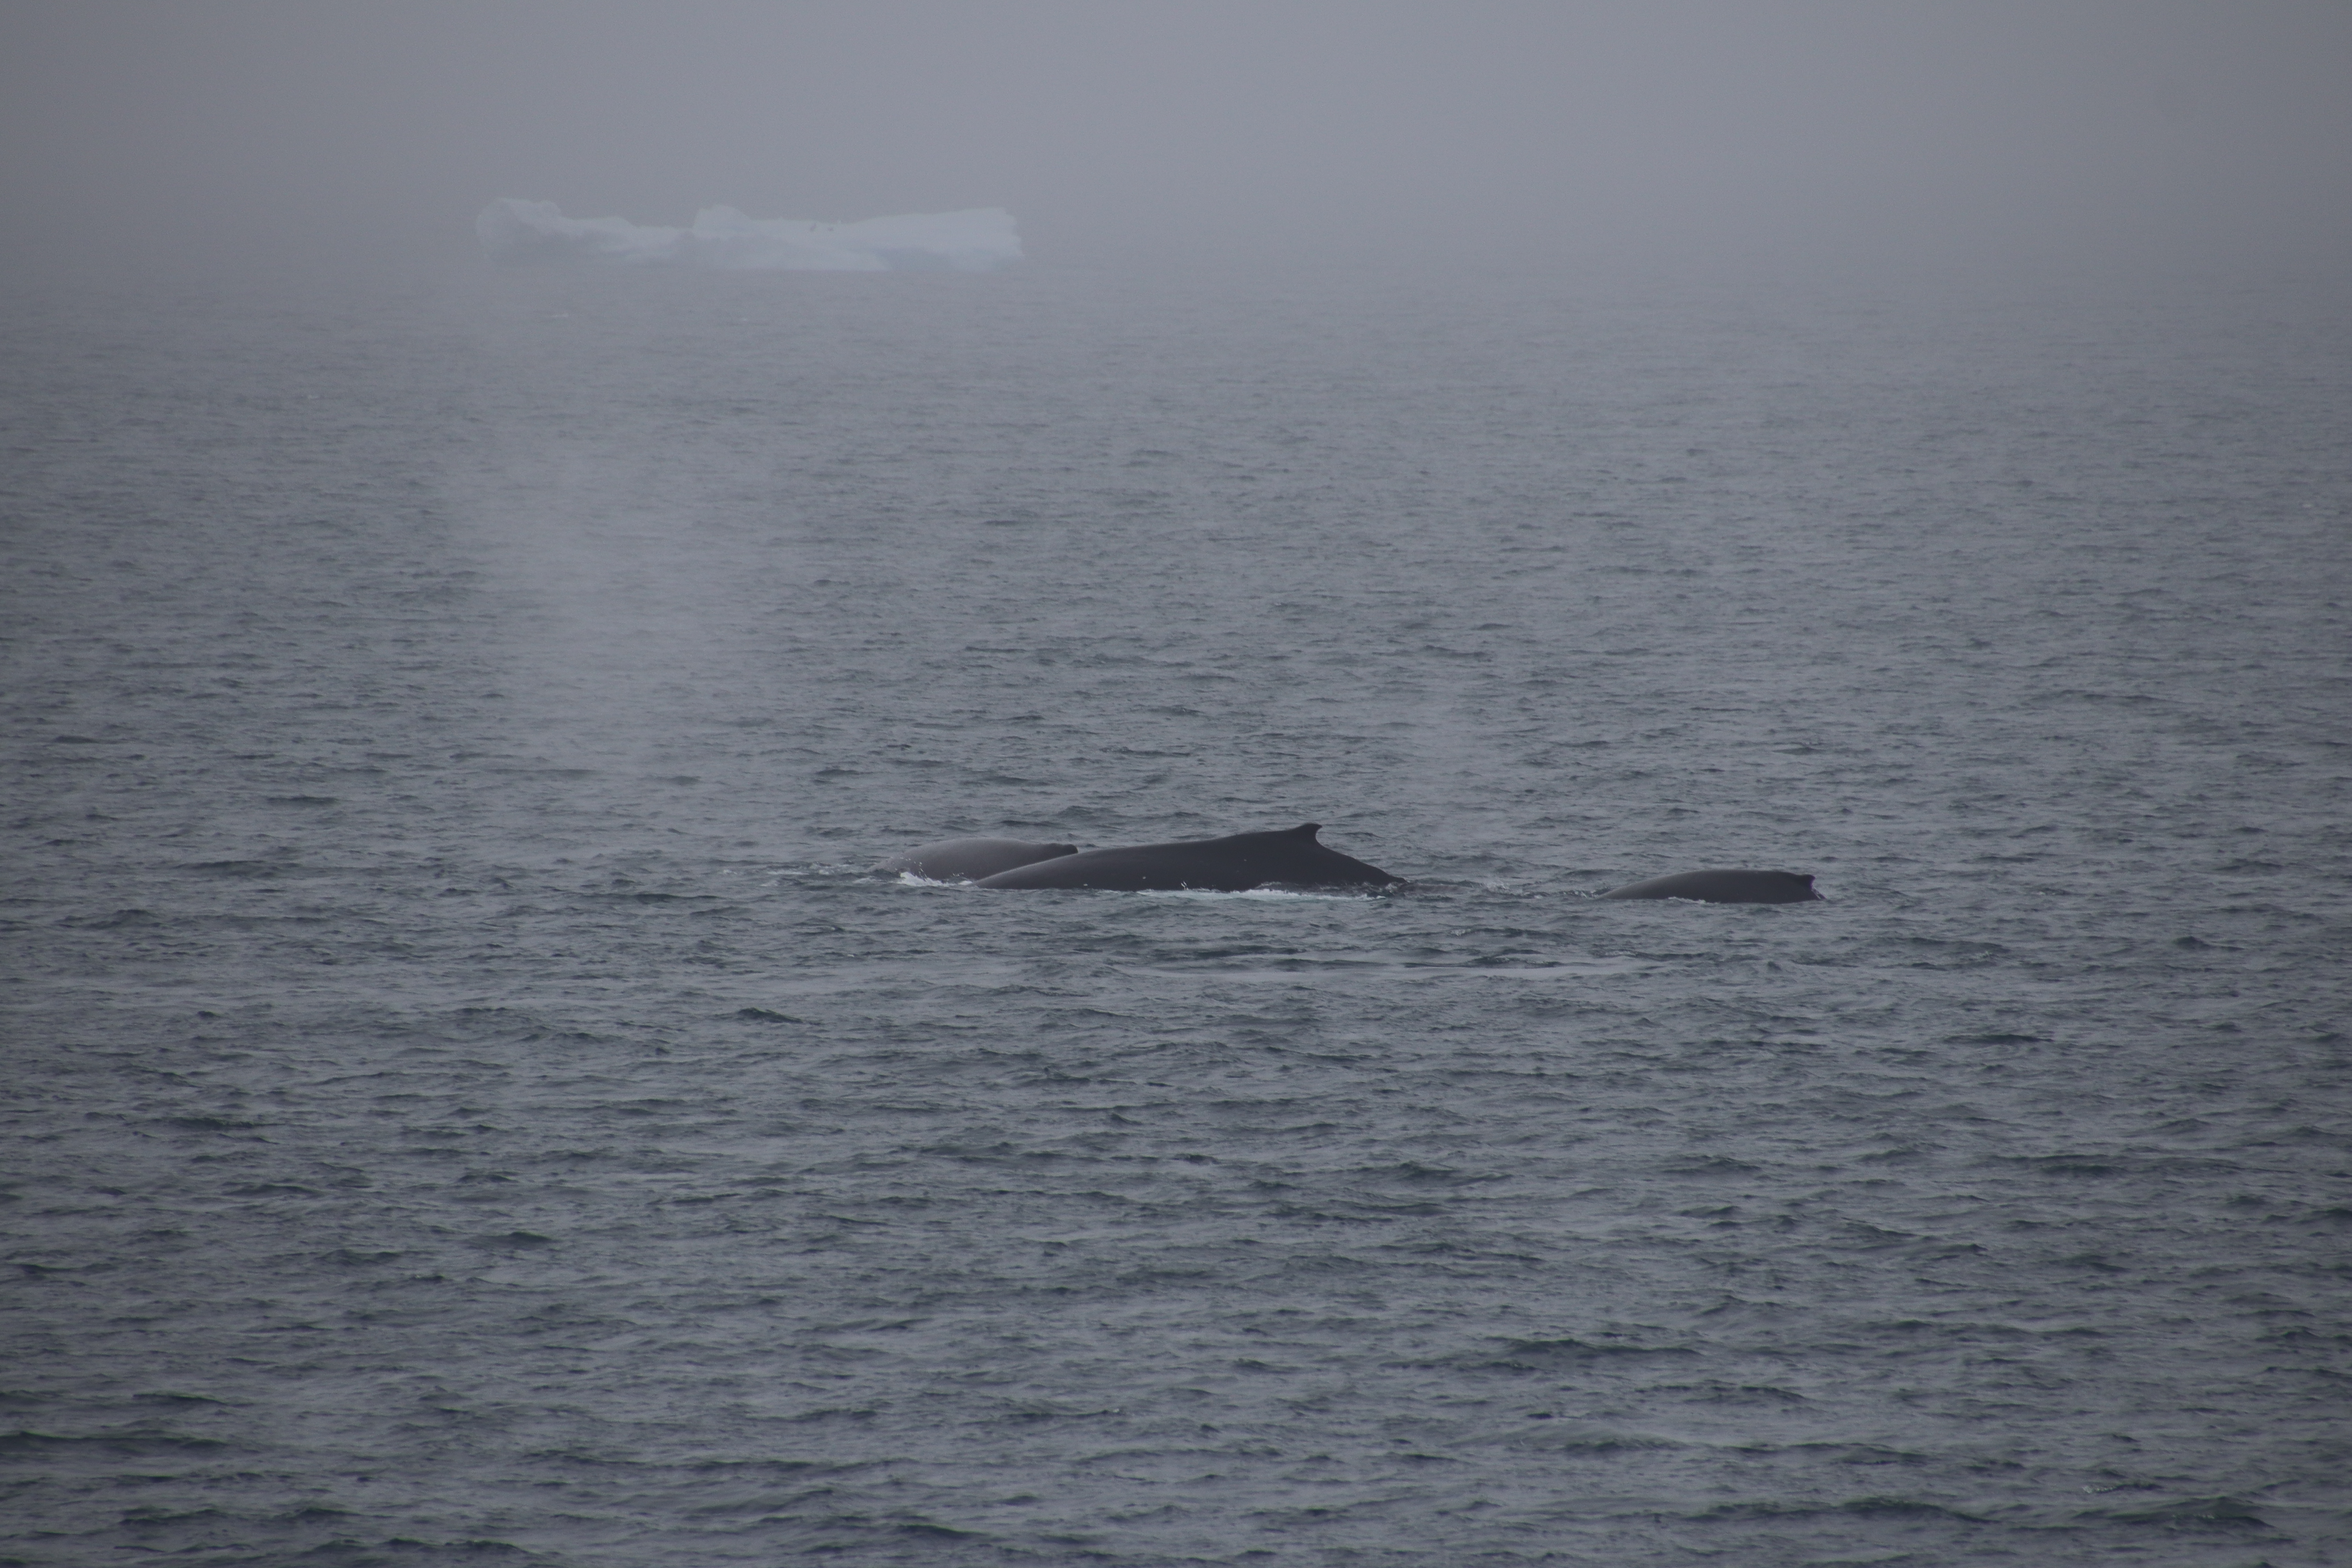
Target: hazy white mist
145 136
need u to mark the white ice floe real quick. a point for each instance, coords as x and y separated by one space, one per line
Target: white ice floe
722 238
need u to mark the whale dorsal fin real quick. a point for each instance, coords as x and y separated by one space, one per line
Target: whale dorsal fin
1305 830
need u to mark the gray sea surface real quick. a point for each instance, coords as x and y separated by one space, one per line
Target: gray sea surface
469 1100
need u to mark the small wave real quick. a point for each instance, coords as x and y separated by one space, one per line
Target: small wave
2223 1512
118 1440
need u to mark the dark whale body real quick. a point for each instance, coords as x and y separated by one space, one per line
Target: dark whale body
970 859
1289 857
1725 887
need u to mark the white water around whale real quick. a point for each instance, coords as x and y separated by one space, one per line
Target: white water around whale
470 1097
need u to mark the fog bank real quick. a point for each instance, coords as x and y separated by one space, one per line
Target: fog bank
517 232
168 138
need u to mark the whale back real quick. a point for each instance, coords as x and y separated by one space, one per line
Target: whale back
1725 887
1289 857
970 859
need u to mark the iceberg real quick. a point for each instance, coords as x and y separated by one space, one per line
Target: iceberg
979 241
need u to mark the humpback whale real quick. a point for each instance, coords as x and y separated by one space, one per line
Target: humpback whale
1725 887
970 859
1289 857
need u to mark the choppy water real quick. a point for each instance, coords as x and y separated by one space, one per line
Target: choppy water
466 1097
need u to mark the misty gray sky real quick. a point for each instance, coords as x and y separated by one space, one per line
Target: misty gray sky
172 134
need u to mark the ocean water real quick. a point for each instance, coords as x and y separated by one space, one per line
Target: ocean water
469 1098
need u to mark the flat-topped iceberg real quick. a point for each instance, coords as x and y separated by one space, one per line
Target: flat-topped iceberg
983 238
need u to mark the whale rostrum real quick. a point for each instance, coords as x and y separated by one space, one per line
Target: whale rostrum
1727 887
969 859
1289 857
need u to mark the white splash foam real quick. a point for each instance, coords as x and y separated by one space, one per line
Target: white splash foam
980 240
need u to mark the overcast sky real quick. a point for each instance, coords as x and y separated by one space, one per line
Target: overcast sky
171 134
